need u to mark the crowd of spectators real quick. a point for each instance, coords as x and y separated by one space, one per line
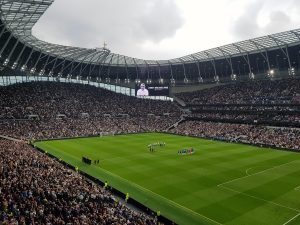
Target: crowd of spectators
63 128
72 110
284 91
36 189
250 107
287 138
43 110
49 99
249 118
268 102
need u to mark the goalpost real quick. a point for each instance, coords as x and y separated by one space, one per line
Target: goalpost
102 134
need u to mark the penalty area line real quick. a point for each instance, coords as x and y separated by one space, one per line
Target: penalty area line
290 220
260 172
258 198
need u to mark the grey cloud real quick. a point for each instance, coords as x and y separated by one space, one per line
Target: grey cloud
279 20
123 24
161 20
246 26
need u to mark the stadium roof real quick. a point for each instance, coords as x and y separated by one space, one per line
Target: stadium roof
20 16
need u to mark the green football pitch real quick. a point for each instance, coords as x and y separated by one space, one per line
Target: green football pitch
222 183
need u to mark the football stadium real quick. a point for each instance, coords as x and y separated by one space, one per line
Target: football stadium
89 136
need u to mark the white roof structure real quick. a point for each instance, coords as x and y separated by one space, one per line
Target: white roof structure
20 16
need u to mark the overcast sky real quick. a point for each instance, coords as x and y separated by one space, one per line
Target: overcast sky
163 29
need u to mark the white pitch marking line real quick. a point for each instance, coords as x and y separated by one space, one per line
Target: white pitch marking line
291 219
297 188
274 203
261 199
248 171
271 168
168 200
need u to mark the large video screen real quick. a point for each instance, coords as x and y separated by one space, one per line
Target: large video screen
144 90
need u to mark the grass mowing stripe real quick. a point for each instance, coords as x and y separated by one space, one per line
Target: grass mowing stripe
84 168
165 181
258 198
274 167
159 196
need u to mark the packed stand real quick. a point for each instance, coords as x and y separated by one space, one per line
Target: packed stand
272 118
31 129
43 110
285 91
36 189
49 99
274 103
287 138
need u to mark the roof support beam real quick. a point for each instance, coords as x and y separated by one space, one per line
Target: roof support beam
89 63
80 63
5 45
246 58
228 59
183 66
170 64
137 68
20 54
109 65
213 62
284 49
264 54
94 65
13 49
31 52
197 62
126 67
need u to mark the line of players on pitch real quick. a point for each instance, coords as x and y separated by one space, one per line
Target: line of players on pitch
157 144
188 151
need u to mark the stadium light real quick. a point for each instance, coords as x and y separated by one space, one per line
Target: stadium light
186 81
200 79
127 80
161 81
118 80
107 80
14 66
6 62
41 73
59 74
292 71
23 68
217 79
137 81
33 70
173 81
148 81
233 77
251 76
271 73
